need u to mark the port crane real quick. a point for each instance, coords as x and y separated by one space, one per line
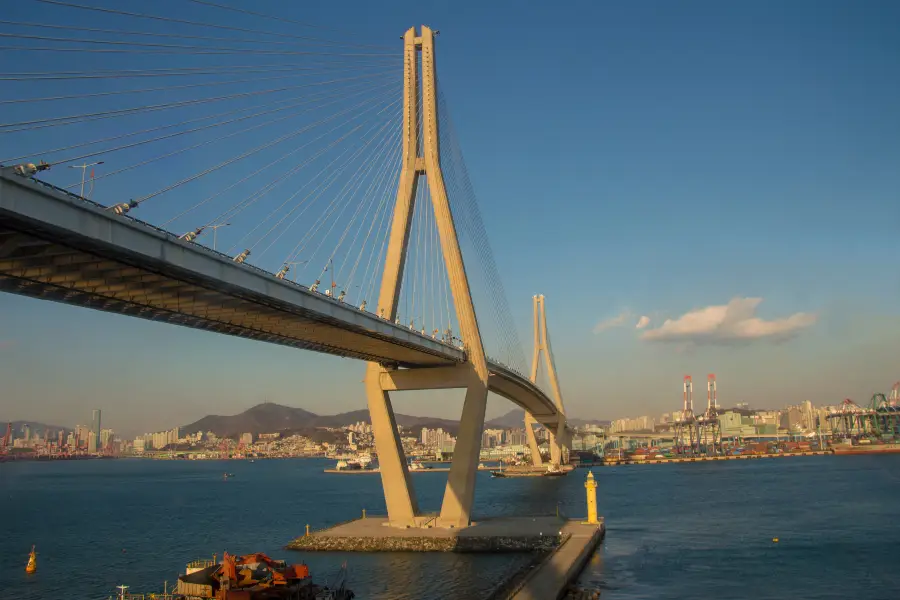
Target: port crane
686 432
709 431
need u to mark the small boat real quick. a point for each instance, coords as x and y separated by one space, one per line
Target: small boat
498 474
31 567
227 475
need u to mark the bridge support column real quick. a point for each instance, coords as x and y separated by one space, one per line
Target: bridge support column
459 495
555 450
399 495
536 459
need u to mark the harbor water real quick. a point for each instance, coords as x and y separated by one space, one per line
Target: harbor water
673 531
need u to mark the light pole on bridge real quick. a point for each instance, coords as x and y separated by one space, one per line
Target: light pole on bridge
293 263
83 171
215 229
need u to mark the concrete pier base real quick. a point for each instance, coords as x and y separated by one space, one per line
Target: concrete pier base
506 534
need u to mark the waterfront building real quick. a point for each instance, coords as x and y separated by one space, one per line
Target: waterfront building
734 424
792 418
517 437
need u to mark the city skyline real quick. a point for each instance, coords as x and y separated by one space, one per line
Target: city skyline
725 212
667 415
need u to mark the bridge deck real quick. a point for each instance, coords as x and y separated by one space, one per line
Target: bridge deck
57 246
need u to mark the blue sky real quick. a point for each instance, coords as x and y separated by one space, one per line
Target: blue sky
638 159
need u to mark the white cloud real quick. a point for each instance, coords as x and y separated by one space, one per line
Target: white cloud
616 321
728 323
642 322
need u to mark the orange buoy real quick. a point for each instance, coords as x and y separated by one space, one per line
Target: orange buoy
31 567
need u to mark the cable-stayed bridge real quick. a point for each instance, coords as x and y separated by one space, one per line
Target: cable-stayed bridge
319 201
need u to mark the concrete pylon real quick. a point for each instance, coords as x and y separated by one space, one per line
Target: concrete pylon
473 375
559 442
530 422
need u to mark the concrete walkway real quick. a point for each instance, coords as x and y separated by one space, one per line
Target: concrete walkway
550 579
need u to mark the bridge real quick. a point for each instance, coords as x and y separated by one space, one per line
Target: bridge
58 245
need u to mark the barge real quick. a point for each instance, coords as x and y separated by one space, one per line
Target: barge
255 577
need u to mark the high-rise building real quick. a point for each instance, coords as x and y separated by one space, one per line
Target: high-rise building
81 435
92 441
95 427
517 438
106 436
27 432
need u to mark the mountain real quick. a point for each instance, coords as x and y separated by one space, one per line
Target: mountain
514 418
271 418
262 418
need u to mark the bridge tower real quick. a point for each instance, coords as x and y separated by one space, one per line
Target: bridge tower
558 439
472 375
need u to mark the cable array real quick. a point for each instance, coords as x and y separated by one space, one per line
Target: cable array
270 146
498 328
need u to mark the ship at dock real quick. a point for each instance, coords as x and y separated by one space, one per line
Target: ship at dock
361 462
255 577
865 446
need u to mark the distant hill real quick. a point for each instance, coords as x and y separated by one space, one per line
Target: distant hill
272 418
514 418
262 418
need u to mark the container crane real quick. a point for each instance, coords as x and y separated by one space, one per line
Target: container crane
685 427
708 428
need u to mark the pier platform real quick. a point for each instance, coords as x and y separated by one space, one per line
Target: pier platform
552 577
500 534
